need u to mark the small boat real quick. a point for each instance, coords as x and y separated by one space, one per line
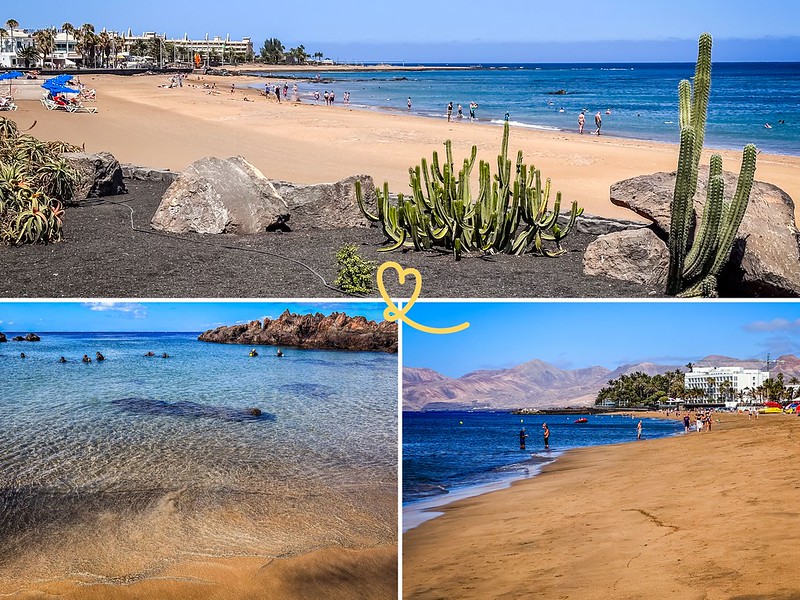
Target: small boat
582 420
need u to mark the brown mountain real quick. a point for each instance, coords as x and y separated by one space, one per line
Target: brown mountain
334 332
534 384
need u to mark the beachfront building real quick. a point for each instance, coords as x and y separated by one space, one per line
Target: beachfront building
12 43
725 385
207 49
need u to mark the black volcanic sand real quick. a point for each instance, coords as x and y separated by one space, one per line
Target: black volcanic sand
102 257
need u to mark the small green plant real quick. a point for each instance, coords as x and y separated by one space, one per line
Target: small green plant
356 274
694 271
508 215
35 182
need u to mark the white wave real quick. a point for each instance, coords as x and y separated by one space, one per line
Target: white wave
526 125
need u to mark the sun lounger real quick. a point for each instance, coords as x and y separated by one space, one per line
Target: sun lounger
7 104
80 108
52 105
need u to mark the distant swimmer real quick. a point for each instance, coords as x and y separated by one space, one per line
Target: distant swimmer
62 360
99 357
767 126
561 109
22 355
608 111
279 352
253 352
86 359
165 355
598 120
150 354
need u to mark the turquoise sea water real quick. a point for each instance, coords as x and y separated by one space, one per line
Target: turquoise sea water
130 463
642 98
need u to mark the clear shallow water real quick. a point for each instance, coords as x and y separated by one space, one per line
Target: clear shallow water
447 453
112 469
643 98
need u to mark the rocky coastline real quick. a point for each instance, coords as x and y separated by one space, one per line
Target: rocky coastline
337 331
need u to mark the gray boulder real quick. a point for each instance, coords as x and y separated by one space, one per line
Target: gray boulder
765 260
137 173
327 205
100 175
636 255
215 195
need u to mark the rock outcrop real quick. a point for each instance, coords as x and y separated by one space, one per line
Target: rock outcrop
100 175
636 255
31 337
765 260
3 337
216 195
335 332
327 205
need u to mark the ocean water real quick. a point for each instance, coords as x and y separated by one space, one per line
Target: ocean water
642 98
111 470
447 455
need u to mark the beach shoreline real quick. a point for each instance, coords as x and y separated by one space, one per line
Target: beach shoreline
588 523
144 124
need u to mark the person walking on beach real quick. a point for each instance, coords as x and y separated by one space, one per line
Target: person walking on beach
449 111
316 96
598 120
639 430
408 103
278 93
546 436
581 123
522 436
506 116
686 423
460 112
472 107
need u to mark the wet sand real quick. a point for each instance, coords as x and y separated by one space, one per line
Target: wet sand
144 124
701 516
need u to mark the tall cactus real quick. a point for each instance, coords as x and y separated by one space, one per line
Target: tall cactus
507 216
694 272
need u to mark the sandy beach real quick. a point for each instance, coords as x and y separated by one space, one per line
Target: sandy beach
701 516
144 124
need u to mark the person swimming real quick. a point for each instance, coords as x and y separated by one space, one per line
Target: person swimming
165 355
99 357
62 360
279 352
22 355
86 359
253 353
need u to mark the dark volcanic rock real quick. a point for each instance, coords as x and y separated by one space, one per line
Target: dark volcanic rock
32 337
3 337
101 174
18 338
335 332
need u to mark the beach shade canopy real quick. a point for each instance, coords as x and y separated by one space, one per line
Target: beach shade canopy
771 404
61 78
54 87
11 75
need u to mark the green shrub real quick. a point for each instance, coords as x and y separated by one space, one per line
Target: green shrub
356 274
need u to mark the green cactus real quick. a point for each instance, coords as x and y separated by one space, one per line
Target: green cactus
506 216
694 271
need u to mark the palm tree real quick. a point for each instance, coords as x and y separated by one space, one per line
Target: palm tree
69 30
3 33
104 45
11 24
29 54
46 41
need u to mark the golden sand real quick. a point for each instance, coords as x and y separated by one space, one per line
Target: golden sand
144 124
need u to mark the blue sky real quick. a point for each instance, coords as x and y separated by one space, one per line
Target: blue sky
464 31
610 334
159 316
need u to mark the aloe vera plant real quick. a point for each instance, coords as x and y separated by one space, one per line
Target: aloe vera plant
693 270
508 215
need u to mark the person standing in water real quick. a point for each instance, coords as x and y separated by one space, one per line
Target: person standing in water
581 122
449 111
598 120
639 430
546 432
522 436
408 103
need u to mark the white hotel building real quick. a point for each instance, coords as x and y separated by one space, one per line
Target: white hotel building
710 380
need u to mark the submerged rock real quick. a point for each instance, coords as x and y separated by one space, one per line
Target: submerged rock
335 332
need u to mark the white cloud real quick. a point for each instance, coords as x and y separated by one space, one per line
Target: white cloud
773 325
133 309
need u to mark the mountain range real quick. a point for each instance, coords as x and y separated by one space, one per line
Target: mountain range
537 384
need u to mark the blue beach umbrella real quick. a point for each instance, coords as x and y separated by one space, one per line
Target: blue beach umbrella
55 87
10 75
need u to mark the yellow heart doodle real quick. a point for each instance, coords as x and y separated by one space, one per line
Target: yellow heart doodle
393 312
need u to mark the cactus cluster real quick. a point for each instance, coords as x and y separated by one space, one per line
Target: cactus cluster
693 271
507 216
34 183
